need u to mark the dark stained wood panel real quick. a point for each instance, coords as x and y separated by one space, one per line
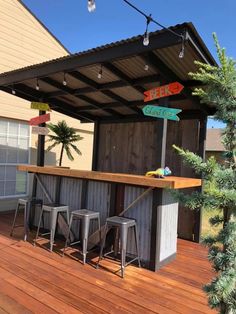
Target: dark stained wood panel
128 147
184 134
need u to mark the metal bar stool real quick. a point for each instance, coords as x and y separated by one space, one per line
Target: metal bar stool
26 204
85 216
123 225
54 210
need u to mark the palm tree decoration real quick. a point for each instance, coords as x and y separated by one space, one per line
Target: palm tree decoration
66 136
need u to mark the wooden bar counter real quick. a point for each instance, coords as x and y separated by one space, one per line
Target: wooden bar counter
156 213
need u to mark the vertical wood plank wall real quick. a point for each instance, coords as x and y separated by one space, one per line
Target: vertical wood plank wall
128 147
133 148
184 134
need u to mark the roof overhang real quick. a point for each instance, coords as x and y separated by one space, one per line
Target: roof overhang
118 95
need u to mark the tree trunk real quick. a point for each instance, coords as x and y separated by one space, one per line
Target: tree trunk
61 155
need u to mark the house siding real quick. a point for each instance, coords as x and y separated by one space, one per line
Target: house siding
25 41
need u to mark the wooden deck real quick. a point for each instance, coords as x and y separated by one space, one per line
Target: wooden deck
33 280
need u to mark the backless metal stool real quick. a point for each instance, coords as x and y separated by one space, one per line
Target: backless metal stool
53 210
85 216
123 224
26 204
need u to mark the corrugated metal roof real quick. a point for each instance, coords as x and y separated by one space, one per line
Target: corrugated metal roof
124 79
113 44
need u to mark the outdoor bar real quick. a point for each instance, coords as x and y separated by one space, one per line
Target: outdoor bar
93 190
128 141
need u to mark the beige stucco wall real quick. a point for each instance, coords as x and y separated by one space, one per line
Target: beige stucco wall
24 41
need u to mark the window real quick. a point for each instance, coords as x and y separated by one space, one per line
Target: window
14 150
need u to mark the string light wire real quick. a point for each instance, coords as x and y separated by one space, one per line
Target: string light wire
148 19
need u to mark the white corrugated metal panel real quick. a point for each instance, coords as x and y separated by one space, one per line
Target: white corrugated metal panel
71 81
142 212
99 97
128 93
92 73
134 67
181 67
168 232
49 183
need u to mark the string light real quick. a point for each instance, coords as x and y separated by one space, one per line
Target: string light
37 85
100 73
181 53
146 67
146 34
150 19
64 80
91 5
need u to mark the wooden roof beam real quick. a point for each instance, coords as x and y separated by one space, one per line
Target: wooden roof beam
169 75
108 93
113 69
68 90
109 85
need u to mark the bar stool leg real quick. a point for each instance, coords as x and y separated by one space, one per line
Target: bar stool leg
14 221
26 228
68 235
100 232
54 214
123 243
39 223
137 244
102 245
85 231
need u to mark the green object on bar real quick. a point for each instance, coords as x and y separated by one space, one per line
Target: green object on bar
161 112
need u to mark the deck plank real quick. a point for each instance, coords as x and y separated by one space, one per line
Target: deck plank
33 280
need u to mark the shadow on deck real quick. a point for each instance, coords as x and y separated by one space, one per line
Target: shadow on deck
33 280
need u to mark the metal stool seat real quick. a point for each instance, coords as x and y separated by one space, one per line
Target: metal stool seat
26 203
85 216
54 209
123 224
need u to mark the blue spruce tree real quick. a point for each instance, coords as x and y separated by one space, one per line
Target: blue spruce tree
219 181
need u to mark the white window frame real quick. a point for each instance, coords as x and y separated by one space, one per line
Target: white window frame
18 136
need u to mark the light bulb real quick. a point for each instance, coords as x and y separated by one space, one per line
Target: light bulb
181 53
64 82
146 39
13 92
146 67
100 73
91 5
37 85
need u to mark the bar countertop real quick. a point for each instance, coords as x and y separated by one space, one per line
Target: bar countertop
168 182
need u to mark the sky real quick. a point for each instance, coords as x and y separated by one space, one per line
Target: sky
78 30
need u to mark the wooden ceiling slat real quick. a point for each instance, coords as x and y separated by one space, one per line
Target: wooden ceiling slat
69 91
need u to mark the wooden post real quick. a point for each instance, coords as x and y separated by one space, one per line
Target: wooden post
41 145
201 153
95 145
40 162
161 126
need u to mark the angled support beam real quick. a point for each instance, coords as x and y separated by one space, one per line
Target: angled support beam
168 74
